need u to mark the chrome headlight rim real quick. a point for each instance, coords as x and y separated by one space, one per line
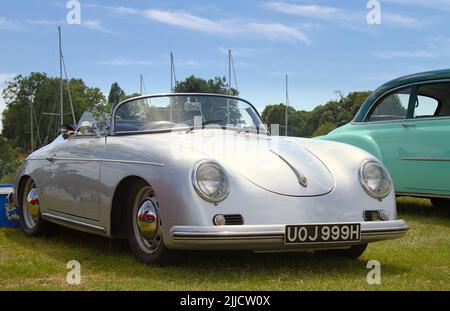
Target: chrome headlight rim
197 187
366 188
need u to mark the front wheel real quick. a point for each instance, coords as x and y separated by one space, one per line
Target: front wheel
29 209
144 227
440 203
352 252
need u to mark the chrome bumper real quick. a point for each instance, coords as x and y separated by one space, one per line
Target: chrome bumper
270 237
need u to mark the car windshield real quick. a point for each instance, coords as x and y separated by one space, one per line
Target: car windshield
185 111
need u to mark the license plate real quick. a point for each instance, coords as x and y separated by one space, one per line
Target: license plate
322 233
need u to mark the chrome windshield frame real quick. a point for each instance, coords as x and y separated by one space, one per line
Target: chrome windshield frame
112 131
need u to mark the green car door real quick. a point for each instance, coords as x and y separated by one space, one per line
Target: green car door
426 144
408 129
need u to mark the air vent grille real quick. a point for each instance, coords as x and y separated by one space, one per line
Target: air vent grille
371 216
233 220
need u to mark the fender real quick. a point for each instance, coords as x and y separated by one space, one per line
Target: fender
363 141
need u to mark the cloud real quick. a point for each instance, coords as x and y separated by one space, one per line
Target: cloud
124 62
189 21
182 19
275 31
350 19
8 24
97 26
405 54
401 20
90 24
303 10
45 22
434 4
244 51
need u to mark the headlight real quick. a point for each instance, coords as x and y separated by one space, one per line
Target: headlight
210 181
374 179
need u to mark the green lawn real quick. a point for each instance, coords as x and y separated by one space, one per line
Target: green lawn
420 261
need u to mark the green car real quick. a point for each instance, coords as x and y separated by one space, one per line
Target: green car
406 124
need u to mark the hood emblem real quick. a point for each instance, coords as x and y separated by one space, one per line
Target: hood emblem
301 178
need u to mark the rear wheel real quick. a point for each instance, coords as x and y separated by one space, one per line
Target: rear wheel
352 252
29 208
440 203
144 226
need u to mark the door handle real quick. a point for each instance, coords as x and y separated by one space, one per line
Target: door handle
406 125
51 158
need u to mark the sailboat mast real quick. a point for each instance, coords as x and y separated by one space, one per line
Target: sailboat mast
61 76
287 106
31 122
229 71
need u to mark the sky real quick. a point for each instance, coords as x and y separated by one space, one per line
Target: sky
323 46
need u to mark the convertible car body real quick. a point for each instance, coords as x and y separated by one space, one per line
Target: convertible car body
406 124
201 172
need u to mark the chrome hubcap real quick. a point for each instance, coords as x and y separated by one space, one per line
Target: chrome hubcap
147 220
30 205
33 203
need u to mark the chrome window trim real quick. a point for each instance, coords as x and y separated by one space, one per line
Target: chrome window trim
114 111
101 160
426 159
375 102
423 195
404 120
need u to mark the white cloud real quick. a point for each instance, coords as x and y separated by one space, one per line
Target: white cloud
405 54
244 51
124 62
401 20
90 24
45 22
189 21
181 19
275 31
303 10
435 4
96 25
354 20
8 24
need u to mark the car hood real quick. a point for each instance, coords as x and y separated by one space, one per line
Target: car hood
276 164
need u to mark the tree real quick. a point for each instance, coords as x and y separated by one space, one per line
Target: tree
7 159
320 121
42 93
194 84
324 129
116 95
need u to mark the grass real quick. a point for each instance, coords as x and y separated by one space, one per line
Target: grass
419 261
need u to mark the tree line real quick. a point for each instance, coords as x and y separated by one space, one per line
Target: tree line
40 94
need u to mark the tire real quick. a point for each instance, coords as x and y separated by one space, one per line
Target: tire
440 203
149 249
352 252
31 220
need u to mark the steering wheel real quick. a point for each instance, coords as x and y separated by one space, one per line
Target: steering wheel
156 125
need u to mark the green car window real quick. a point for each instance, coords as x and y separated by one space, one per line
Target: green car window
433 100
392 107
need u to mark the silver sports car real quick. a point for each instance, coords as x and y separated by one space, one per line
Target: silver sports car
202 172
